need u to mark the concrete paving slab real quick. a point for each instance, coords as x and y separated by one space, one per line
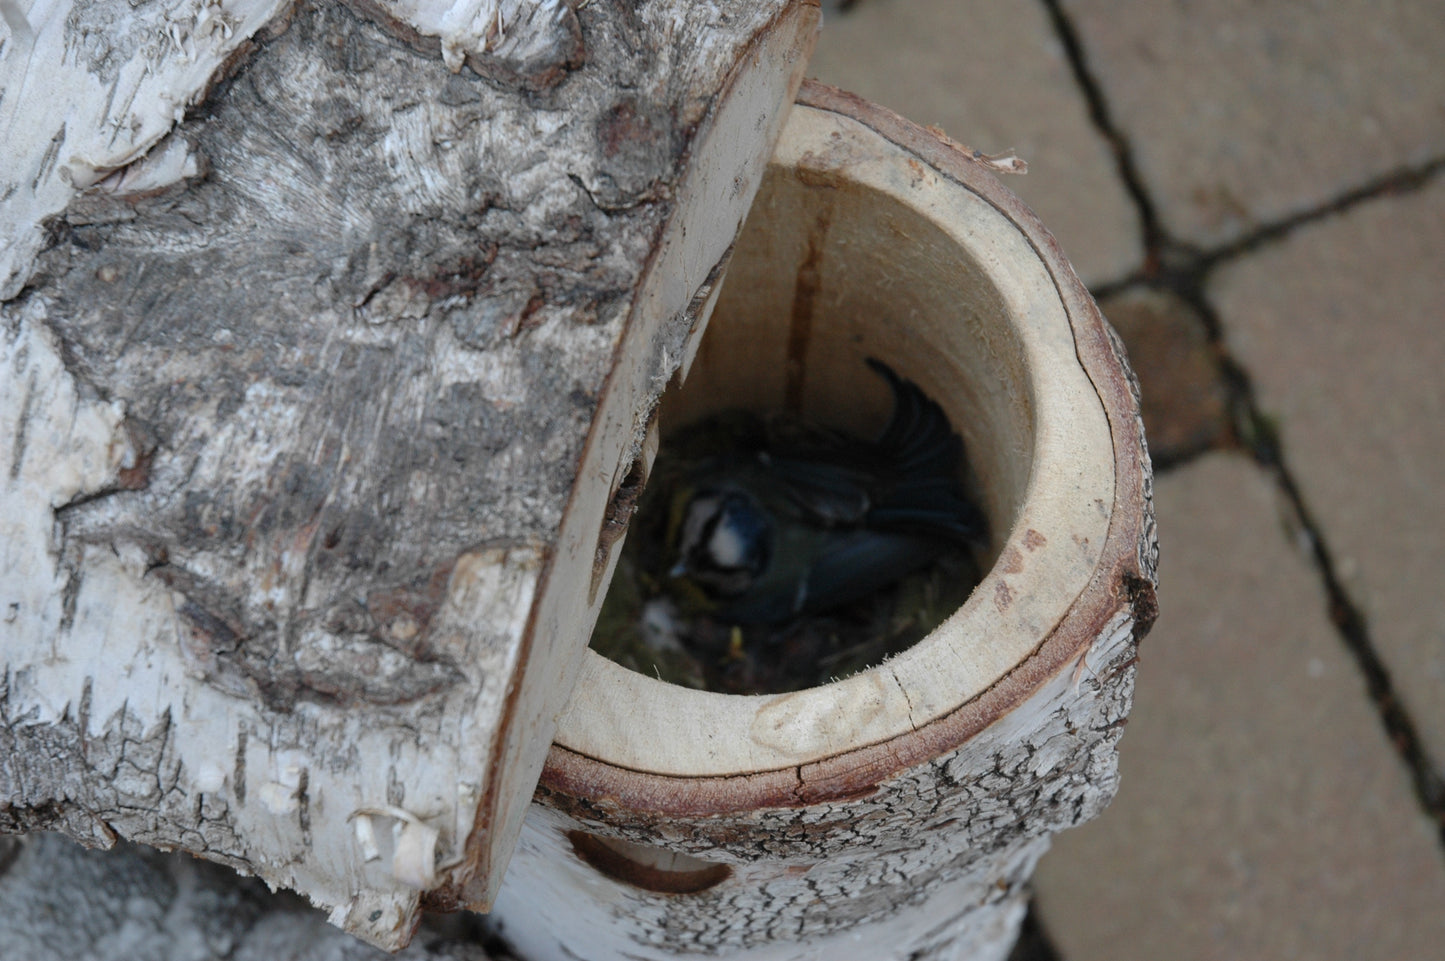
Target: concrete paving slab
993 76
1184 398
1262 814
1242 113
1342 329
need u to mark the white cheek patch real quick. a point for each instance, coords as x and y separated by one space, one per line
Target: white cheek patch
725 547
698 514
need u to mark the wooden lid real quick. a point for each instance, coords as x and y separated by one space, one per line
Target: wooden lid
319 410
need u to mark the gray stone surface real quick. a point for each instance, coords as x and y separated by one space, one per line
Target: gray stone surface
1262 813
993 76
1342 328
1242 112
61 902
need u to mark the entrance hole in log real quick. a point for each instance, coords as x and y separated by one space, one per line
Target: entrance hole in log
827 274
648 867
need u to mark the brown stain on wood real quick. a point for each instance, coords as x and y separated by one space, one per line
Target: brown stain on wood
621 125
805 295
402 614
463 277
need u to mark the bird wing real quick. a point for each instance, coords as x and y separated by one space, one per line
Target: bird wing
905 482
918 439
822 492
849 565
923 452
854 564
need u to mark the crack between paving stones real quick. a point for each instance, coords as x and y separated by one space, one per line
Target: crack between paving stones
1264 444
1183 269
1165 256
1156 241
1260 438
1402 180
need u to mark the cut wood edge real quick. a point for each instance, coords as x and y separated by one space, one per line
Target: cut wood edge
730 154
658 748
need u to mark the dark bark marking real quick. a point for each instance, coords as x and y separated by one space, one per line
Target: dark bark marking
48 160
694 312
395 789
82 720
614 522
303 806
1143 603
238 771
69 595
17 457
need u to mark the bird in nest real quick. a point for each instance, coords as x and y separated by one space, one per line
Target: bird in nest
779 523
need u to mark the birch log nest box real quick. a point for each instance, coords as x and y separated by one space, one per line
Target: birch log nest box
333 343
897 813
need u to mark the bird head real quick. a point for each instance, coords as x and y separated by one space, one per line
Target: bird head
724 541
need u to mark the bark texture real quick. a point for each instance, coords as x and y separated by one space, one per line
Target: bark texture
933 863
311 415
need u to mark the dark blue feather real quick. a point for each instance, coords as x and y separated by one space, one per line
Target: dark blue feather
845 516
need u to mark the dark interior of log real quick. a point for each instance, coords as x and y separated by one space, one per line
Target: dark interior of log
824 276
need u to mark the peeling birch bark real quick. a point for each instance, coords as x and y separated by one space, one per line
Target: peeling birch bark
330 337
897 813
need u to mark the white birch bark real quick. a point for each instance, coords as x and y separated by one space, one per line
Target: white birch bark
329 339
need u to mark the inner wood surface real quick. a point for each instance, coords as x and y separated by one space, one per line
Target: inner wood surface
854 248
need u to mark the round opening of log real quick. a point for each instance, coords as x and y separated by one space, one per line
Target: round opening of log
858 247
837 407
